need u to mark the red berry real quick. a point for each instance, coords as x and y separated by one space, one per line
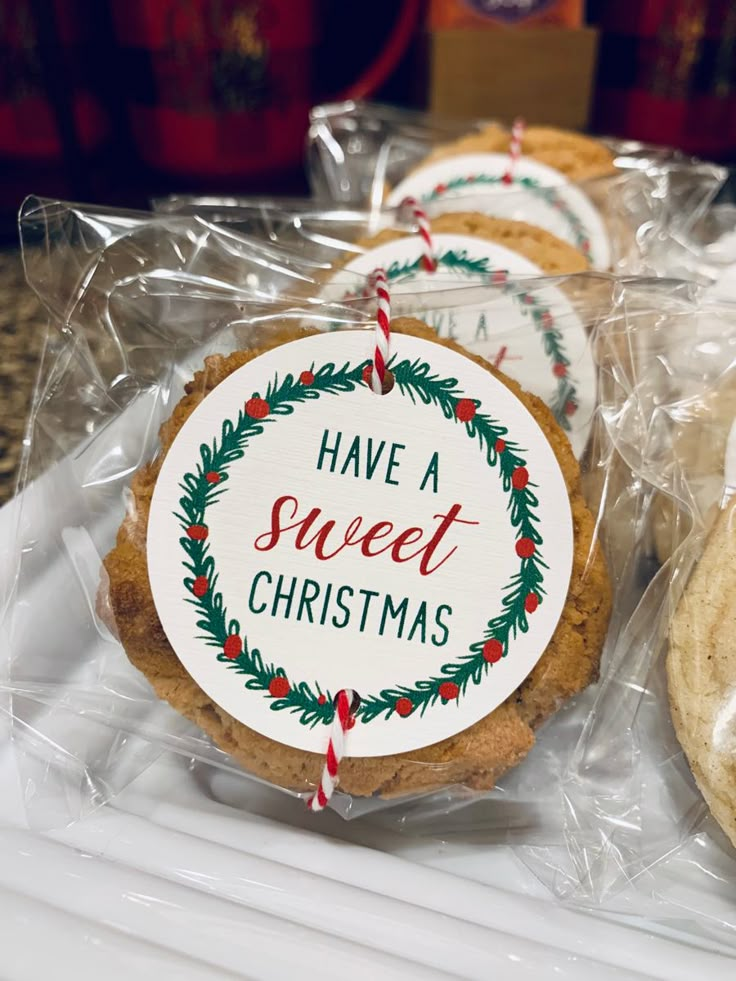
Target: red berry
306 378
525 548
520 478
570 408
528 299
492 651
586 245
200 585
531 602
279 687
559 370
465 410
198 532
322 699
499 276
448 690
507 178
403 706
547 319
212 477
367 374
500 445
440 189
233 646
257 408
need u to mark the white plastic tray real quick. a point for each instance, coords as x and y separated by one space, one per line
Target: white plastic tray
192 873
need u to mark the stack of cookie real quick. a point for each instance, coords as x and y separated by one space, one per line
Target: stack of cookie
500 225
475 757
536 182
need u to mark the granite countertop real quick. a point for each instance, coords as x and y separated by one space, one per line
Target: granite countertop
22 328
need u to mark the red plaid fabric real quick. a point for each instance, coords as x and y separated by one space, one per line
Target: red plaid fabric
28 124
217 88
667 73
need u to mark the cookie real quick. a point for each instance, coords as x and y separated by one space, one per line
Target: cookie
576 156
489 138
475 757
545 250
701 671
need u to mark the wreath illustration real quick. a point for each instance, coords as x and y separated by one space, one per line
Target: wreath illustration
548 194
565 403
204 485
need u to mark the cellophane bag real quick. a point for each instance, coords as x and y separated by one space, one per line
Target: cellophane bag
136 304
360 154
648 791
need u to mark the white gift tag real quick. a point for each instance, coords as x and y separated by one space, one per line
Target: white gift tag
537 194
533 335
306 536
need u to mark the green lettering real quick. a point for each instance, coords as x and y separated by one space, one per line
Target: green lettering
420 620
369 594
265 575
433 471
279 595
353 457
443 626
393 463
326 450
345 609
372 462
307 598
325 604
392 612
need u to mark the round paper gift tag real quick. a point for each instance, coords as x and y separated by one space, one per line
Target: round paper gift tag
537 194
532 334
306 536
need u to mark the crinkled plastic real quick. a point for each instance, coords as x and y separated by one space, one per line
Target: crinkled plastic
650 208
136 303
640 835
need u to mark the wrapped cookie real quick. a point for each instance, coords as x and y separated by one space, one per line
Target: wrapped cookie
301 611
615 201
650 792
248 533
701 664
508 311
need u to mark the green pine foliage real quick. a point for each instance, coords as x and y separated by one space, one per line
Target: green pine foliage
547 194
565 401
202 488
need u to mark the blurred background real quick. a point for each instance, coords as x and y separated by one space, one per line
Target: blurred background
119 101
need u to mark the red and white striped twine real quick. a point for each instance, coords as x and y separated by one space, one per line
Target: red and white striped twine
342 721
343 718
383 331
420 217
517 135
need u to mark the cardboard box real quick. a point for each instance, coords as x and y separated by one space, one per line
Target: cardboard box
544 75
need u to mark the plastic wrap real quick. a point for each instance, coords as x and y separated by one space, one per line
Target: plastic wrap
358 152
136 304
648 822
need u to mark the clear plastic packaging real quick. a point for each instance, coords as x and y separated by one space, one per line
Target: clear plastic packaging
136 304
655 196
640 836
